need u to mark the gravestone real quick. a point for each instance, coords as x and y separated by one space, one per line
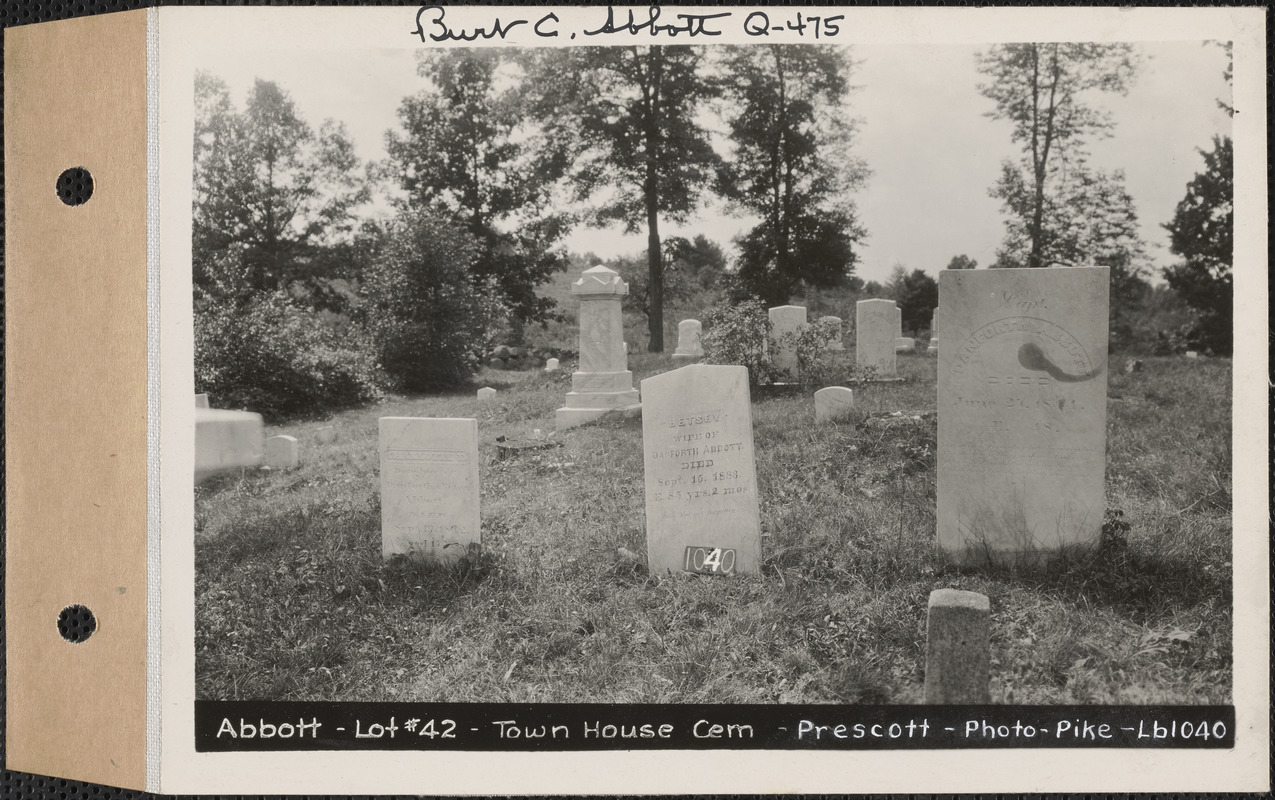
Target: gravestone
834 341
1192 354
551 365
688 345
486 394
874 336
326 434
1022 411
934 333
898 320
701 480
226 440
786 320
282 452
201 401
833 403
429 488
957 649
602 384
904 344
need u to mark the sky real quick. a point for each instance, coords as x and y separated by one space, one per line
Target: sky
923 133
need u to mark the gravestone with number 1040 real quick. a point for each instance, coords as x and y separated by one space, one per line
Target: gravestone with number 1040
701 481
429 488
1022 412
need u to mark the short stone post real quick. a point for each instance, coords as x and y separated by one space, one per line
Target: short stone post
688 346
551 365
603 383
957 653
486 394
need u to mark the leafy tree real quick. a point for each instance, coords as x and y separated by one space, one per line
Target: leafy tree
791 166
961 262
1202 233
461 153
1041 90
624 119
691 266
917 294
270 188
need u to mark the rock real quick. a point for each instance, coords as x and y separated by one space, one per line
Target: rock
502 351
1133 365
496 363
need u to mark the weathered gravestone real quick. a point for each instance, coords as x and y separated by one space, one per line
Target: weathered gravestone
904 344
786 320
429 488
486 394
551 365
226 440
833 403
957 648
874 336
934 332
326 434
898 320
603 383
201 401
688 344
1022 412
834 339
701 481
282 452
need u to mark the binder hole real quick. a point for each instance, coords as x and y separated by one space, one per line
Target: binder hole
75 186
76 624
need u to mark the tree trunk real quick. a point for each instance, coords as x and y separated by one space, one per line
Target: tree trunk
650 191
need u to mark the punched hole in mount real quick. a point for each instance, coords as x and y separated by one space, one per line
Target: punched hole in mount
76 624
75 186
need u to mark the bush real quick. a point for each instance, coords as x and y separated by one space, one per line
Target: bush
268 355
811 343
736 334
430 323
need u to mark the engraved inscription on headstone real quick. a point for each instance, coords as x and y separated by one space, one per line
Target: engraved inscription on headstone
701 480
429 488
1022 406
874 335
833 403
603 384
688 342
785 320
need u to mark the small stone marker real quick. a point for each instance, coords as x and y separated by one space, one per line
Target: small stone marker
1022 406
201 401
281 452
603 383
688 344
226 440
903 344
834 343
429 488
934 332
833 403
1192 354
957 649
486 394
551 365
701 481
326 434
786 320
874 336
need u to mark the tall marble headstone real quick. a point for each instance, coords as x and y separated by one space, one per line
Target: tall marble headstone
834 341
603 383
701 481
688 342
785 320
874 336
934 332
429 488
1022 411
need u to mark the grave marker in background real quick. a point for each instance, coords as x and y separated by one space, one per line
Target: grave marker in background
688 344
834 343
603 383
326 434
957 649
786 320
904 344
429 488
1022 411
833 403
486 394
282 452
226 440
934 332
701 480
201 401
551 365
874 336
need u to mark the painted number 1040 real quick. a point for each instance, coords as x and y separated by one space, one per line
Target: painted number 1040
709 561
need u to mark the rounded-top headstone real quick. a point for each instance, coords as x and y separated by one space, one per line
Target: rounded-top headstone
281 452
486 393
326 434
833 403
551 365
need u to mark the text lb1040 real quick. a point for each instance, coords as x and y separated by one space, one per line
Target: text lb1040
709 561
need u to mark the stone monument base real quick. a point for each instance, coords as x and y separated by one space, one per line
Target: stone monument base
570 417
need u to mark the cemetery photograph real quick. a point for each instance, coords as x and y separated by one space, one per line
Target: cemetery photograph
715 373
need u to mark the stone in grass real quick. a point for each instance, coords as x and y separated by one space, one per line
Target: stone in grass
904 344
326 434
874 337
509 448
486 394
551 365
833 403
1133 365
1192 354
429 488
496 363
688 342
957 650
282 452
225 440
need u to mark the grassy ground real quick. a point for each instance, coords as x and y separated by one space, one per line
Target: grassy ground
293 602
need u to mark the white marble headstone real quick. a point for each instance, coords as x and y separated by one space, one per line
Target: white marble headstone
282 452
225 440
786 320
833 403
701 480
835 342
551 365
874 336
486 394
688 341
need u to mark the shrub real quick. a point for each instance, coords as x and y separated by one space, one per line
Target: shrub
811 343
429 321
268 355
737 334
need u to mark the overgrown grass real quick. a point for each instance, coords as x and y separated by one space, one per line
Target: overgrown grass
293 601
